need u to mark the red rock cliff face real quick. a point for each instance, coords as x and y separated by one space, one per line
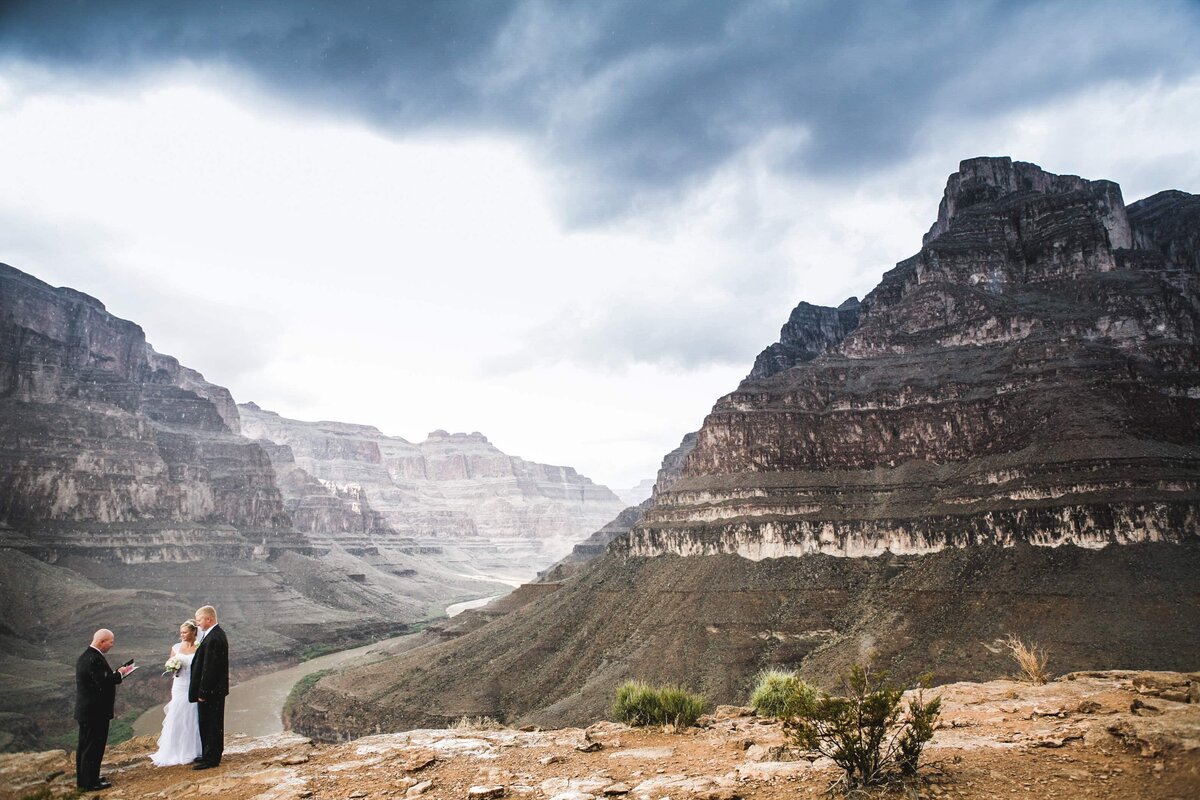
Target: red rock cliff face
1031 375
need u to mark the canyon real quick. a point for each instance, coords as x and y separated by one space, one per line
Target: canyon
1003 437
132 491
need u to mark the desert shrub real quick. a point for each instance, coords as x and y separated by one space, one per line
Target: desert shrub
780 694
639 703
866 732
1031 659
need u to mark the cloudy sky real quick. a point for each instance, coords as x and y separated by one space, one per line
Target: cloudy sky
568 225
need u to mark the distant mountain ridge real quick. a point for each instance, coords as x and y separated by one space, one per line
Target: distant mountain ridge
1003 438
450 489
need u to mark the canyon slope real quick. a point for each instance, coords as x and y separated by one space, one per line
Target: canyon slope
1002 437
130 493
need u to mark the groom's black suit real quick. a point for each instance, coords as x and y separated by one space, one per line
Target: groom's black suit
208 688
95 695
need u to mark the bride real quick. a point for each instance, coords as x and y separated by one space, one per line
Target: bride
180 739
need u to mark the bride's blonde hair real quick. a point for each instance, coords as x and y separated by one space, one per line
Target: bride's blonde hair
190 623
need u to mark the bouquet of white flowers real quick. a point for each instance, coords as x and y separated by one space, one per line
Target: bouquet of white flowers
173 665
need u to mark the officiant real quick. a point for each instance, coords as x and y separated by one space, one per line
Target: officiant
95 695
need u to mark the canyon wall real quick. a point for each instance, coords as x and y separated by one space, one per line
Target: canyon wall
451 490
1025 377
1002 437
129 497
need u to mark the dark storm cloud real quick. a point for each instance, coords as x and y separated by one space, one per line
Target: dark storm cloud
633 101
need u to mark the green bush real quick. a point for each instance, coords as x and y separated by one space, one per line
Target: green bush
121 728
780 694
639 703
866 732
302 686
316 651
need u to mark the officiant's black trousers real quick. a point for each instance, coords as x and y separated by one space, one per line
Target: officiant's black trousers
93 735
212 730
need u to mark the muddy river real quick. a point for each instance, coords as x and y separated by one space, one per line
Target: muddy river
255 707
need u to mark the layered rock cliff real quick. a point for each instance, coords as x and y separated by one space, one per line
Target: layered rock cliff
451 490
128 498
1026 377
595 545
107 445
1005 439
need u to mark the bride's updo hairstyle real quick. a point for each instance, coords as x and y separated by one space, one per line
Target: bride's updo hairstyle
192 626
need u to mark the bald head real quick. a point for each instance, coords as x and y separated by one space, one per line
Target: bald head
103 640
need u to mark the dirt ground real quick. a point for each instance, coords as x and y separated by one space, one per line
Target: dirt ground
1132 735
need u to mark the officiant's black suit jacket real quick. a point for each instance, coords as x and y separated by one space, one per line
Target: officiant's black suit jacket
95 687
210 667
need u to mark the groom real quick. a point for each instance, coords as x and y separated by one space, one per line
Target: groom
208 687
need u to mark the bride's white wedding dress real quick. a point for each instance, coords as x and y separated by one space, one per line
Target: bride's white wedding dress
180 739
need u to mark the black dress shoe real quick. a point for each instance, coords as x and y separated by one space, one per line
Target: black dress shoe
104 783
198 760
203 765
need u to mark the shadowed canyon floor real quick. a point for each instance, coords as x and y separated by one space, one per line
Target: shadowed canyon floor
1087 735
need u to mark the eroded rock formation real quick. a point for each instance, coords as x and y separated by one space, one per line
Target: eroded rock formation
1025 377
107 445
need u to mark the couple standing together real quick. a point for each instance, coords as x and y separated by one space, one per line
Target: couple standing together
194 726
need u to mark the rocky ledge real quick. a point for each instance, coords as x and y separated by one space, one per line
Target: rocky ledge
1109 734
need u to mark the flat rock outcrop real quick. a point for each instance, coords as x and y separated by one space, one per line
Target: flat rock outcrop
1113 734
1003 438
